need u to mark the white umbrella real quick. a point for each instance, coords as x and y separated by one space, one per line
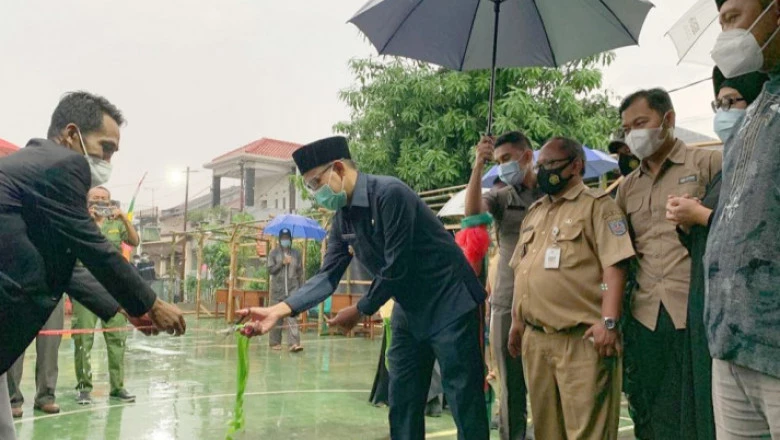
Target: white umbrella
694 34
456 206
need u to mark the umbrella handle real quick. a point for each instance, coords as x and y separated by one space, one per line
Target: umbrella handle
497 10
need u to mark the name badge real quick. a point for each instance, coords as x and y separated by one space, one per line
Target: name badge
688 179
348 237
552 258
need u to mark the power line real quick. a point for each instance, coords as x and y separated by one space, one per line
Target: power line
689 85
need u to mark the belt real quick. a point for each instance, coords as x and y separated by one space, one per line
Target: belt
550 330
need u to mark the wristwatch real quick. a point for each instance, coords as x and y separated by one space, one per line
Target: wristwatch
610 323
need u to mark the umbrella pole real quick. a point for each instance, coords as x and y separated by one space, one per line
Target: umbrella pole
497 10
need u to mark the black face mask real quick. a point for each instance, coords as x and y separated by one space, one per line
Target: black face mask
552 182
627 163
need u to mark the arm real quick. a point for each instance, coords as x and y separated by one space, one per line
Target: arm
275 264
63 202
474 203
322 285
397 208
615 279
130 236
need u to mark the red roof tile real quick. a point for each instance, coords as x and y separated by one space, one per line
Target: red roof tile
7 148
265 147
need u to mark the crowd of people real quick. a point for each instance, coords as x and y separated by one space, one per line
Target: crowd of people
666 293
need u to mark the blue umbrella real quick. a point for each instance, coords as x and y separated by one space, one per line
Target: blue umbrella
299 226
465 34
596 163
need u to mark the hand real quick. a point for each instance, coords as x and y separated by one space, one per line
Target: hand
346 319
167 317
606 342
515 344
484 151
263 319
287 260
116 213
93 213
686 211
143 323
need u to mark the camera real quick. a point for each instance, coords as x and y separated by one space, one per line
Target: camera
105 211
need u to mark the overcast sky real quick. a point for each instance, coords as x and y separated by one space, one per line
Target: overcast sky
197 78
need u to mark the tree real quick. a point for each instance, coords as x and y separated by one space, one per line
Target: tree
420 123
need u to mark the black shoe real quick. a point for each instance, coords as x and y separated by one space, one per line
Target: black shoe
84 398
123 396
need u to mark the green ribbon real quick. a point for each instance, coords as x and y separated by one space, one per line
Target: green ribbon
476 220
242 375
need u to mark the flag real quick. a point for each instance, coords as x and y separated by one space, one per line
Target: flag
127 249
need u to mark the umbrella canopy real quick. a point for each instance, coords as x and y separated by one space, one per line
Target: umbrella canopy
7 148
466 34
456 206
596 163
694 34
299 226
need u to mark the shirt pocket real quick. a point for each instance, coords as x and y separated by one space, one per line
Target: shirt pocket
522 248
690 182
570 240
638 214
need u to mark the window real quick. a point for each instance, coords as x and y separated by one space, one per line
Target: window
276 203
264 204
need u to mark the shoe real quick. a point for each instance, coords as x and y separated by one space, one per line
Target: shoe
276 347
123 396
48 408
296 349
84 398
17 412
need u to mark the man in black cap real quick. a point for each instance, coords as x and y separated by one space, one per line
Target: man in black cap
627 162
415 261
286 268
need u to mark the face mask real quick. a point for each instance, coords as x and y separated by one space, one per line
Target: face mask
645 142
511 173
285 243
99 168
627 163
726 121
329 199
552 182
737 52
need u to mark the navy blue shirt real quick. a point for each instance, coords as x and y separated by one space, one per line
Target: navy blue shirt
404 245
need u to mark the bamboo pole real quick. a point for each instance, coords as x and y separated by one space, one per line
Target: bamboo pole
232 275
199 276
172 269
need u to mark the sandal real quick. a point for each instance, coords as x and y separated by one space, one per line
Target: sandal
295 349
276 347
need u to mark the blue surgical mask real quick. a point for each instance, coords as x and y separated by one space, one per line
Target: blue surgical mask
726 122
329 199
285 243
511 173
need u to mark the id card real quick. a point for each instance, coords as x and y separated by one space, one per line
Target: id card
552 258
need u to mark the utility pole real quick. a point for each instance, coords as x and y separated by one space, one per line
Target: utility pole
186 238
241 171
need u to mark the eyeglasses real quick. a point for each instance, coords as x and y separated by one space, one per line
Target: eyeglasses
314 184
550 165
725 103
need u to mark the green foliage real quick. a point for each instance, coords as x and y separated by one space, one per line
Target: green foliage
191 284
420 122
313 256
217 258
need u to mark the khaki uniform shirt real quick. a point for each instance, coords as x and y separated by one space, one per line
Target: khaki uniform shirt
508 206
664 264
592 234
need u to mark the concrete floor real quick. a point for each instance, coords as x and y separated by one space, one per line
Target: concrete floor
186 390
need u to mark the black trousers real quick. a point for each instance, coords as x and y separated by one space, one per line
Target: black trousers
457 348
653 381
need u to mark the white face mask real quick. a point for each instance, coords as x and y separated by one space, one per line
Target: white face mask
645 142
726 121
99 168
737 51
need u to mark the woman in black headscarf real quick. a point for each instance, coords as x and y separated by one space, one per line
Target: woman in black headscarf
693 218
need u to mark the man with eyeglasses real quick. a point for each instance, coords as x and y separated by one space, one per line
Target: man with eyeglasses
655 334
416 262
742 261
570 271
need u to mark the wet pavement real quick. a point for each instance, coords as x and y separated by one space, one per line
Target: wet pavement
186 386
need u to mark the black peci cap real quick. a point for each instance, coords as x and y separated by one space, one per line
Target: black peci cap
321 152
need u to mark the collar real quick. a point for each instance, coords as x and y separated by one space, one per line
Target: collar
676 156
360 192
570 194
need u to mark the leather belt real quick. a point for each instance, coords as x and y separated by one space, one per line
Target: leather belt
550 330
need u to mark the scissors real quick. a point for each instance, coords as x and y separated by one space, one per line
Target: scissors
238 326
